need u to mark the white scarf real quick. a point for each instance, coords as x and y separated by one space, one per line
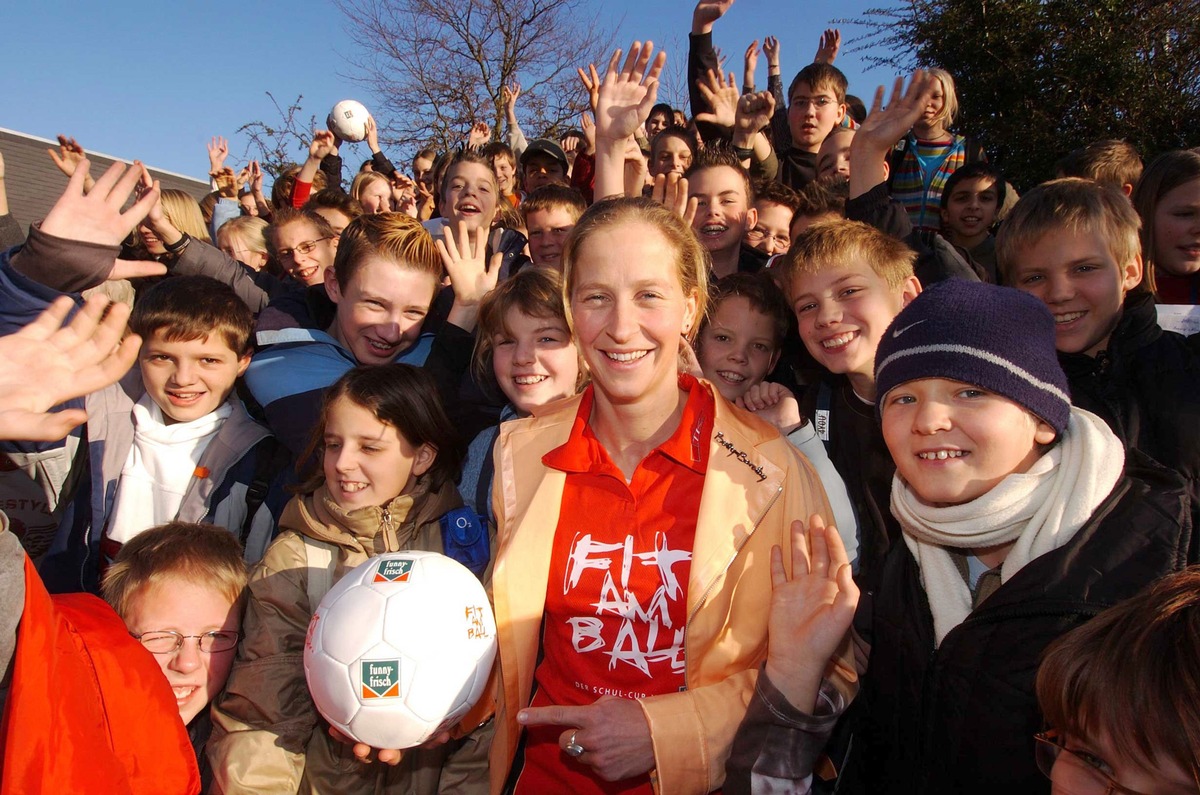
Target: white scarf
1040 510
161 464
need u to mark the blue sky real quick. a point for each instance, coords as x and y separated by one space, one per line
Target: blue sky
156 80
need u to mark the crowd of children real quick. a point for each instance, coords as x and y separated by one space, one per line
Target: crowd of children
798 451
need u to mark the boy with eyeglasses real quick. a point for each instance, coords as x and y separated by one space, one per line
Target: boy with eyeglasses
179 589
1121 695
776 205
304 245
816 105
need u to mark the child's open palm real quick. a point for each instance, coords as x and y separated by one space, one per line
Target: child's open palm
888 124
49 362
810 612
627 95
472 275
96 217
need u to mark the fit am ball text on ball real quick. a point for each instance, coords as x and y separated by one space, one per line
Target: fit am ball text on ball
400 649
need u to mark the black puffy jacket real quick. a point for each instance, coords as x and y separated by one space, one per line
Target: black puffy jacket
1146 386
961 717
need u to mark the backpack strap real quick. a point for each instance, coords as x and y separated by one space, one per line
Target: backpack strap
821 421
319 560
266 467
484 484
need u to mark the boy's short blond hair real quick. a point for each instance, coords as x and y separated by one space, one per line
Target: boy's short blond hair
1109 162
553 197
832 244
199 553
1073 205
391 236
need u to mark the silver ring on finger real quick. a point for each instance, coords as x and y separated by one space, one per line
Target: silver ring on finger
573 748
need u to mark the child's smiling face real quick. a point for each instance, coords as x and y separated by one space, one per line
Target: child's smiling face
1076 275
971 208
470 194
954 442
737 348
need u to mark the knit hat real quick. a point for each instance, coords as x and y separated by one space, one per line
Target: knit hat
996 338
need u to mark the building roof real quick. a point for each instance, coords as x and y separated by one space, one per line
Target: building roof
34 183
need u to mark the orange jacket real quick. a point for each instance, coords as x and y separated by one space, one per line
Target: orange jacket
89 710
756 484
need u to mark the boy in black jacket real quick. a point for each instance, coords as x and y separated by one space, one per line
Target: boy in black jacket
1074 244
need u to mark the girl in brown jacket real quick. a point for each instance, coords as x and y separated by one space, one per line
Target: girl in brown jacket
388 465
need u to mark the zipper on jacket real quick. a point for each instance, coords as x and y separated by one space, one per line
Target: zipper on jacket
385 527
704 598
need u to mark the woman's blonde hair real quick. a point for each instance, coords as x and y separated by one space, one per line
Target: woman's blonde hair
692 262
184 213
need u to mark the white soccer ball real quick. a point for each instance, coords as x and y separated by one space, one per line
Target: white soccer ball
400 648
348 120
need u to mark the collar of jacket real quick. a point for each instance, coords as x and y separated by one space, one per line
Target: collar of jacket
372 530
1137 328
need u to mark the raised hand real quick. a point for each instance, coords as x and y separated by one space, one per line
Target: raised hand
226 182
636 170
471 275
404 195
47 363
721 58
96 217
721 97
754 112
481 133
811 610
885 125
751 63
588 125
771 50
256 177
218 150
671 191
372 134
591 84
628 93
68 155
828 46
707 12
509 94
243 178
324 143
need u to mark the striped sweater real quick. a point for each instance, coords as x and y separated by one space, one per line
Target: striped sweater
919 173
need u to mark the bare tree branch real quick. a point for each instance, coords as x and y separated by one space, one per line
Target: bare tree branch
275 145
435 68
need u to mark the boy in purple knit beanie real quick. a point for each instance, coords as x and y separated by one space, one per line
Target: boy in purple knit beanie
1022 518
